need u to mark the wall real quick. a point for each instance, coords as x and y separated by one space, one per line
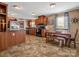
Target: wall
51 22
72 26
26 23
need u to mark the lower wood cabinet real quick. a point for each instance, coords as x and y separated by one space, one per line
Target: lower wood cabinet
3 42
20 37
11 38
8 39
43 32
32 31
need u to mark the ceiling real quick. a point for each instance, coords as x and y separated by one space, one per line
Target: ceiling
39 8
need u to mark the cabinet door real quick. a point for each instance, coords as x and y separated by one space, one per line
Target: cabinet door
6 43
44 21
20 37
41 19
43 32
3 41
12 38
33 31
23 36
36 22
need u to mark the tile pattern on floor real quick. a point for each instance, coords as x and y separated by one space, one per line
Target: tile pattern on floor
37 47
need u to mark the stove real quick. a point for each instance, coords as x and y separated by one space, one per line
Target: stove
39 28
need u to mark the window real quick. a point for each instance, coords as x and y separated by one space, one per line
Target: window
62 22
66 20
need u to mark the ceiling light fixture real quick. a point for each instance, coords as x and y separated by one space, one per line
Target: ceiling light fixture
17 7
13 14
33 13
35 17
52 5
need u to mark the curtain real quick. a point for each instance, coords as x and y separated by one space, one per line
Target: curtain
66 21
59 19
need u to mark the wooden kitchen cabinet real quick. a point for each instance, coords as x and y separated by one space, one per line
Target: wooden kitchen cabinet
20 37
32 31
43 32
45 21
3 17
16 37
11 38
3 41
41 20
36 21
8 39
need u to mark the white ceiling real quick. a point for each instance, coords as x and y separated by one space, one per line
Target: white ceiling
40 8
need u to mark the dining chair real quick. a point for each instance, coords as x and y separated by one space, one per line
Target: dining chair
49 37
73 39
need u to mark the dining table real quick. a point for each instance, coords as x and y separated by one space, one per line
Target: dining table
62 34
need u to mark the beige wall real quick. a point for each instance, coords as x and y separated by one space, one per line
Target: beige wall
51 21
73 26
50 25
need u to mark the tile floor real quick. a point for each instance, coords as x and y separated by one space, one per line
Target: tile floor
37 47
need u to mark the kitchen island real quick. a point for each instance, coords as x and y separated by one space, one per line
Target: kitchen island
10 38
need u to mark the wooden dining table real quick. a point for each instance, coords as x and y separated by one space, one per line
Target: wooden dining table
63 34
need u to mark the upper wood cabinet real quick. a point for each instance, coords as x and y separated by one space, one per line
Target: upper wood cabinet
3 17
36 21
41 20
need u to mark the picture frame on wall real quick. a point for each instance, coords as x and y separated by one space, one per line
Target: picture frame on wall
14 25
21 24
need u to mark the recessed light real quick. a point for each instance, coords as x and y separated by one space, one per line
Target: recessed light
52 5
